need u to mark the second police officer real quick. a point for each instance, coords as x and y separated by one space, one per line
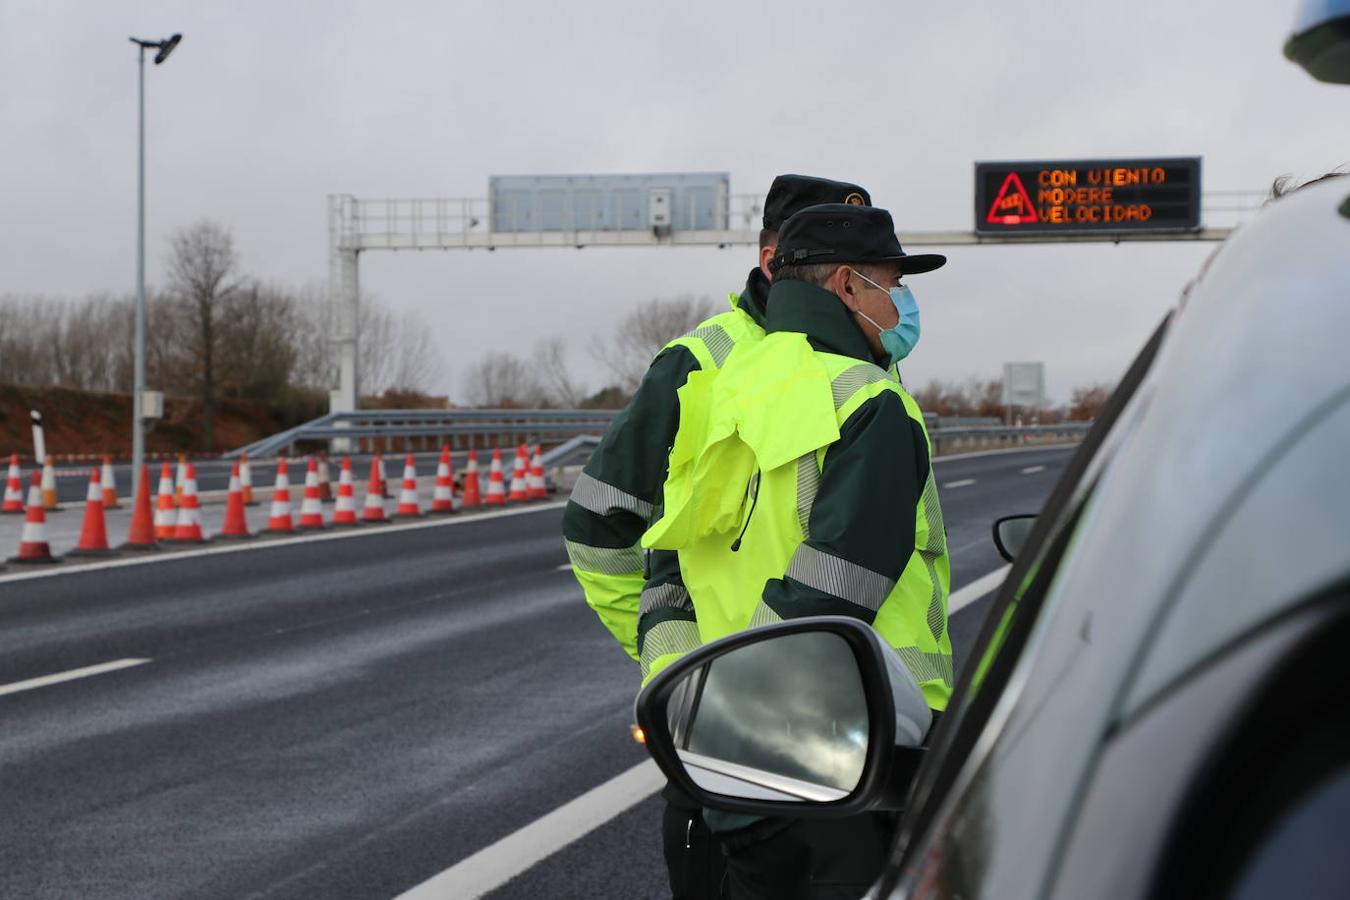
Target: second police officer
618 492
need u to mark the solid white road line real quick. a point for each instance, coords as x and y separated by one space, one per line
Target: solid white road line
65 568
1032 470
976 589
962 483
493 866
16 686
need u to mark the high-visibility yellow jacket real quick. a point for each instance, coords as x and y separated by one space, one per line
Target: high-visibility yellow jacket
800 484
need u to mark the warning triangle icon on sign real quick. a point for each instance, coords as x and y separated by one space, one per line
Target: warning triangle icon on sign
1012 205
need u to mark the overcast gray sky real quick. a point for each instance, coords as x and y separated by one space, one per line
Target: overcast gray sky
266 107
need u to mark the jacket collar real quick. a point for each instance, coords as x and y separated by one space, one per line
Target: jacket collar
817 313
755 298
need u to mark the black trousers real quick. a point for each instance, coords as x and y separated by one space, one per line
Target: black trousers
693 853
830 859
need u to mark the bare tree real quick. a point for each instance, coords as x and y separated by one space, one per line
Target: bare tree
502 380
560 386
396 353
203 273
258 343
1088 401
312 337
644 331
415 365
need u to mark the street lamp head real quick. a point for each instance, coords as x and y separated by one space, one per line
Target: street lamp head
166 47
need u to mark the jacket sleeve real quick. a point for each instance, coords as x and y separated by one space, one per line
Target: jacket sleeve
667 627
614 497
862 525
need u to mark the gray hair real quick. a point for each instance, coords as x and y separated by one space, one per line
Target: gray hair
819 273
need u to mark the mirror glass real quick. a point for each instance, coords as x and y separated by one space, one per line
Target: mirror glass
1010 535
782 719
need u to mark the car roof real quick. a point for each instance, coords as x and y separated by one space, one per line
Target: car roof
1253 357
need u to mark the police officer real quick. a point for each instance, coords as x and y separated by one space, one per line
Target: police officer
616 494
800 484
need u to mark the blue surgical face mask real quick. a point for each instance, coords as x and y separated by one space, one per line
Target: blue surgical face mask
899 340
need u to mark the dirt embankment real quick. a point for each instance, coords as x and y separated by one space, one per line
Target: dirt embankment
80 423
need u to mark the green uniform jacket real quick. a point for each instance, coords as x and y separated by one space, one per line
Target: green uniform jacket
616 494
799 485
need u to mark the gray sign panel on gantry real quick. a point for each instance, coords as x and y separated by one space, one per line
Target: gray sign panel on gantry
680 201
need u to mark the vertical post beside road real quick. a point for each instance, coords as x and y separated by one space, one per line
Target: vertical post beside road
138 379
163 49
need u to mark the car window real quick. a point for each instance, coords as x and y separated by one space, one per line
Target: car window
984 675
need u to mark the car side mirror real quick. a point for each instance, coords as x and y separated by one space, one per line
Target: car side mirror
813 717
1010 535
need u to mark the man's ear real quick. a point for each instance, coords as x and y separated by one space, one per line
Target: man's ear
841 283
766 254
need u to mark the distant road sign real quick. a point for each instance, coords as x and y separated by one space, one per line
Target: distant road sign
1088 195
1024 384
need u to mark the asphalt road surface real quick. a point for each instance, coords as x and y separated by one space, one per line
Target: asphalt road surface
347 716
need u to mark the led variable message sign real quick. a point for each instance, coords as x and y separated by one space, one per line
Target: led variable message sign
1109 195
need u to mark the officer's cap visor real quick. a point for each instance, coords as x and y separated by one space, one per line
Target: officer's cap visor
919 263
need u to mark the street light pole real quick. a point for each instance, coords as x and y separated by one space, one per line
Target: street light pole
165 47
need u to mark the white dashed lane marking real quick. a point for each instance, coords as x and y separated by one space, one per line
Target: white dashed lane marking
962 483
1032 470
975 590
28 685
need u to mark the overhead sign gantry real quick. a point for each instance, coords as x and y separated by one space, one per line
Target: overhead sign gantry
1016 202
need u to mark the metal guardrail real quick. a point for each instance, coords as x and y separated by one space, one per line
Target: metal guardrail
962 440
461 428
465 428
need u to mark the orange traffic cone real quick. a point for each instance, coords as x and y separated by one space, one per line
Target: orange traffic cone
49 487
189 527
280 519
518 487
109 480
246 480
13 487
311 508
142 533
166 518
94 529
325 486
496 492
344 512
374 509
535 485
384 479
235 527
408 503
33 546
473 497
443 497
180 480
